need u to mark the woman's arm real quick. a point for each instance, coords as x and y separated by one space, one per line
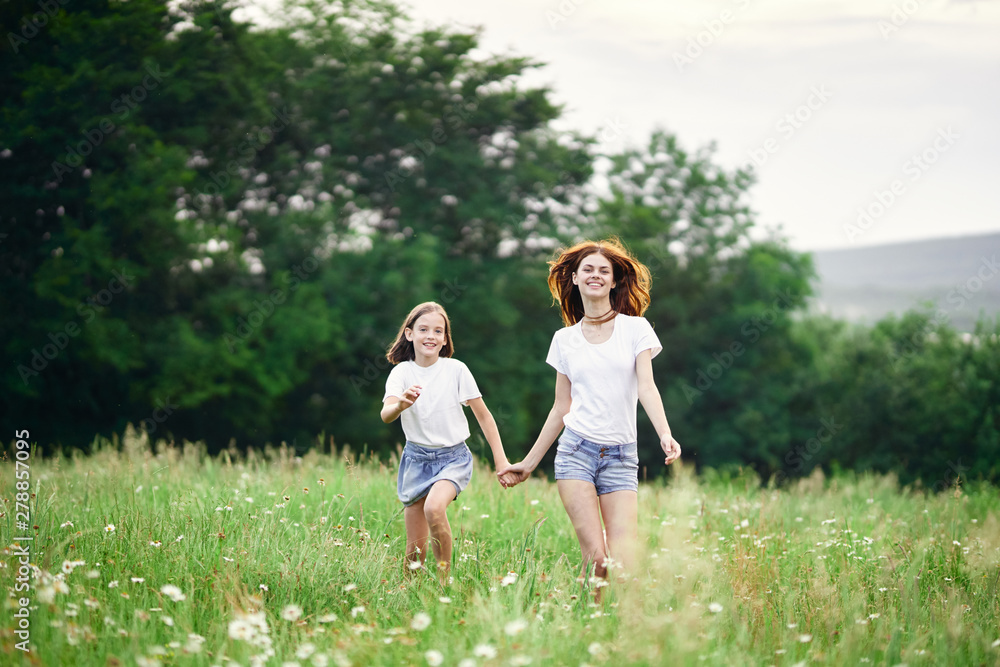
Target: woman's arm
649 396
550 430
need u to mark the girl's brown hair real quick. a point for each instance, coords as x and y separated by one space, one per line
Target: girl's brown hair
630 296
402 349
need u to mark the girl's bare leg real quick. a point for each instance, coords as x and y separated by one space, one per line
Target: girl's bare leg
416 531
435 508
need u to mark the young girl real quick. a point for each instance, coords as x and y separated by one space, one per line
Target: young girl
427 389
602 361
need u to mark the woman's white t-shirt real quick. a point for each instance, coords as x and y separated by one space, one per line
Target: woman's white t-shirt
436 418
605 387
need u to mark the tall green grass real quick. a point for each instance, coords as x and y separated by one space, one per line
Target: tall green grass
849 570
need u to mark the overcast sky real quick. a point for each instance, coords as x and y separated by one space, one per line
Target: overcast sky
868 85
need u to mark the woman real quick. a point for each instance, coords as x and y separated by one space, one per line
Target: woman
603 365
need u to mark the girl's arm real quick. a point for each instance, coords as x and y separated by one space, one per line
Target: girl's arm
649 396
393 406
490 430
550 430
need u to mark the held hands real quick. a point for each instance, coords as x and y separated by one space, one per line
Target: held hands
506 480
671 448
512 475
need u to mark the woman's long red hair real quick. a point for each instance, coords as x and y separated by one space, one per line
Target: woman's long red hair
630 295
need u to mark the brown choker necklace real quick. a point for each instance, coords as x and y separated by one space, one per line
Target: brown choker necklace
606 317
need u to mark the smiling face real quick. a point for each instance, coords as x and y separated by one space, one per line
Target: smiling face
428 336
595 277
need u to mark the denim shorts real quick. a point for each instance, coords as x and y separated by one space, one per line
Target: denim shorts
608 467
420 467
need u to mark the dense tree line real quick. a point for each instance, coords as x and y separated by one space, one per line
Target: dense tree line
213 230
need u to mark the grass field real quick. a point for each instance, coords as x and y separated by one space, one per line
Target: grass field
173 557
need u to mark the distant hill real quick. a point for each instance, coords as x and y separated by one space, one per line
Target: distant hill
960 275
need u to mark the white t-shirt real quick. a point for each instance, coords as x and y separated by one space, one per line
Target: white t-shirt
436 418
605 387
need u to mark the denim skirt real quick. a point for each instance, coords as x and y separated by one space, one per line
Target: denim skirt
420 467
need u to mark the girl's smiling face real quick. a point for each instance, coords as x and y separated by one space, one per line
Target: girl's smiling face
428 337
595 276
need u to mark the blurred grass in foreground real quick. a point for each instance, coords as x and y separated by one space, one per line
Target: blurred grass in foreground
271 558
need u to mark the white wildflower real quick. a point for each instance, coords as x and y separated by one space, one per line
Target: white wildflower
173 592
421 621
291 612
515 627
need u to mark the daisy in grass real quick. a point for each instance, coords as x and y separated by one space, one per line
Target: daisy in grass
291 612
484 651
516 627
69 565
173 593
241 629
433 658
194 643
421 621
251 627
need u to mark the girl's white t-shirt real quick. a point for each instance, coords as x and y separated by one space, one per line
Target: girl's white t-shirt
436 418
604 385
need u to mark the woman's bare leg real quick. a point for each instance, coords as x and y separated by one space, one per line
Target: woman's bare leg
620 510
580 500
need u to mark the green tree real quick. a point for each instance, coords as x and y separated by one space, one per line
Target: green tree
917 398
731 372
273 200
